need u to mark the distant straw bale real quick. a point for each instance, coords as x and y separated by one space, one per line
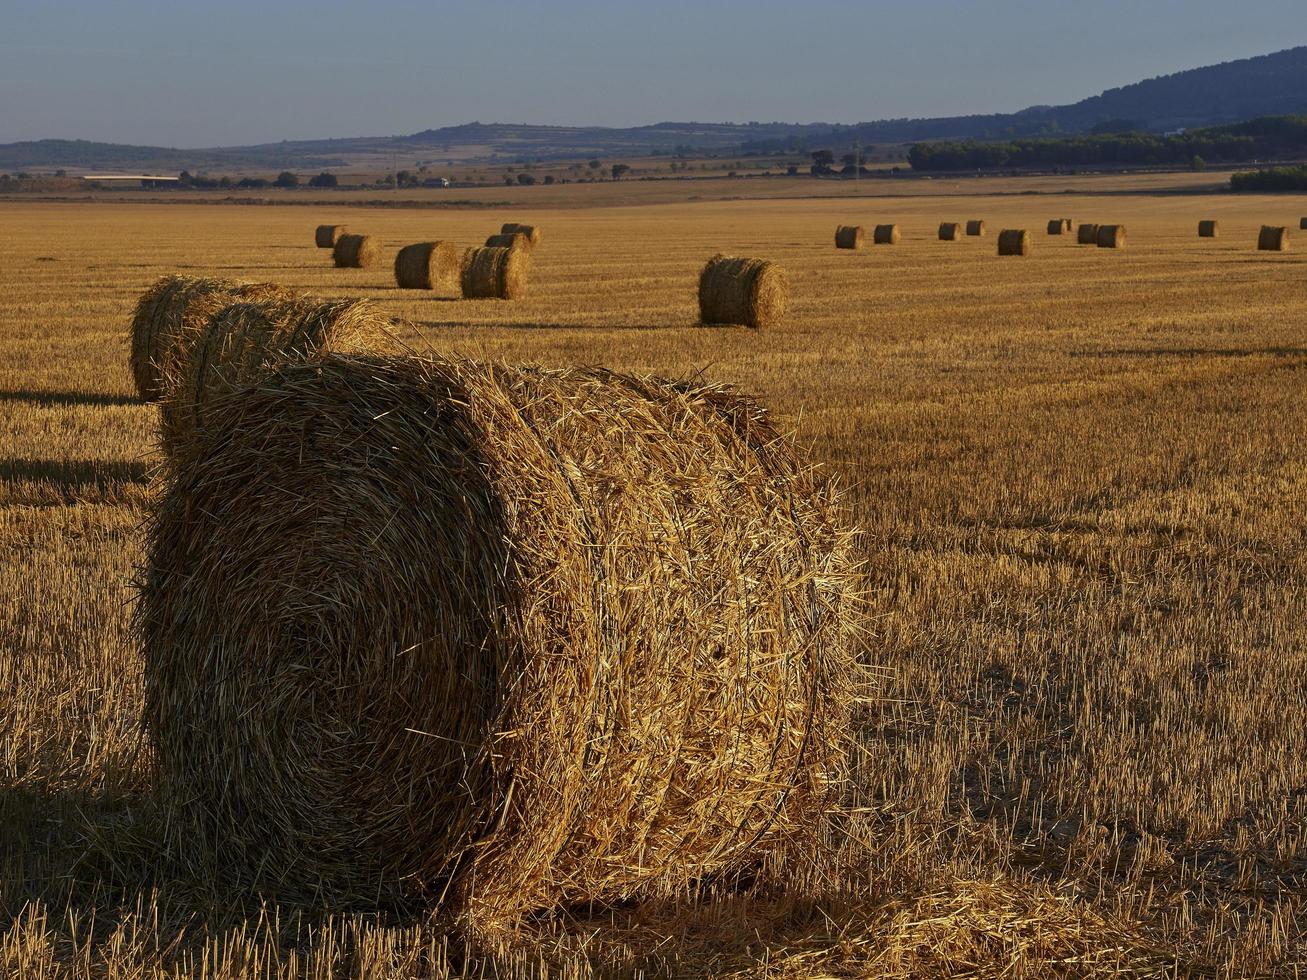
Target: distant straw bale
1209 229
244 340
496 273
326 236
950 231
430 265
1014 241
172 314
752 292
532 232
1273 238
355 251
513 239
976 229
1110 236
885 235
496 638
848 236
1087 234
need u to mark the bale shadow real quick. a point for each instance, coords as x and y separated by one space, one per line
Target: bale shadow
51 399
99 481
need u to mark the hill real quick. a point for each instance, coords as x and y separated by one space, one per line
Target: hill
1268 85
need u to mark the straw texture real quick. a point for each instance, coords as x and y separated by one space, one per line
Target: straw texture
171 315
430 265
849 236
355 251
244 340
1273 238
1013 241
498 637
326 236
752 292
495 273
1111 236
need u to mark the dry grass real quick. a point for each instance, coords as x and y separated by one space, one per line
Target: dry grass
1084 495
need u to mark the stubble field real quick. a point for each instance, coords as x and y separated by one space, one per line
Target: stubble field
1080 477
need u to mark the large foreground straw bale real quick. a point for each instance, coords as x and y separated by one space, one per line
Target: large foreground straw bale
496 273
512 239
950 231
752 292
355 251
1209 229
172 314
430 265
976 229
885 235
532 232
1087 234
1111 236
245 340
849 236
1014 241
326 236
1273 238
501 637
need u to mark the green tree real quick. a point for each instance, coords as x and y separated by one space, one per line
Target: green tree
286 179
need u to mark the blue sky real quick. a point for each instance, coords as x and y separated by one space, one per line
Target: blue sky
191 74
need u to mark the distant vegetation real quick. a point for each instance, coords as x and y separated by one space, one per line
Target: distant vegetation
1271 179
1267 137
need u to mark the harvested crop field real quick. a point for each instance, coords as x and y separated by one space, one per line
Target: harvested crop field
1081 480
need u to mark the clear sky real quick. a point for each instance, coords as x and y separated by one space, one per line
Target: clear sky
183 73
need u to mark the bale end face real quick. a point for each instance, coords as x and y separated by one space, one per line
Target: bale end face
355 251
950 231
1013 241
326 236
1273 238
751 292
849 236
886 235
1110 236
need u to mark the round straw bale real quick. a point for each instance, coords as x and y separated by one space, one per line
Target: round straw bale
245 340
355 251
1087 234
327 235
171 314
1014 241
1209 229
1273 238
496 273
1056 227
886 235
976 229
498 637
849 236
950 231
532 232
512 239
430 265
752 292
1110 236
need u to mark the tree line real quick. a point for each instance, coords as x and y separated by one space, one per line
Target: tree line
1272 136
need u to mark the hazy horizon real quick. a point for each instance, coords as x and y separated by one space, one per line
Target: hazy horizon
179 75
